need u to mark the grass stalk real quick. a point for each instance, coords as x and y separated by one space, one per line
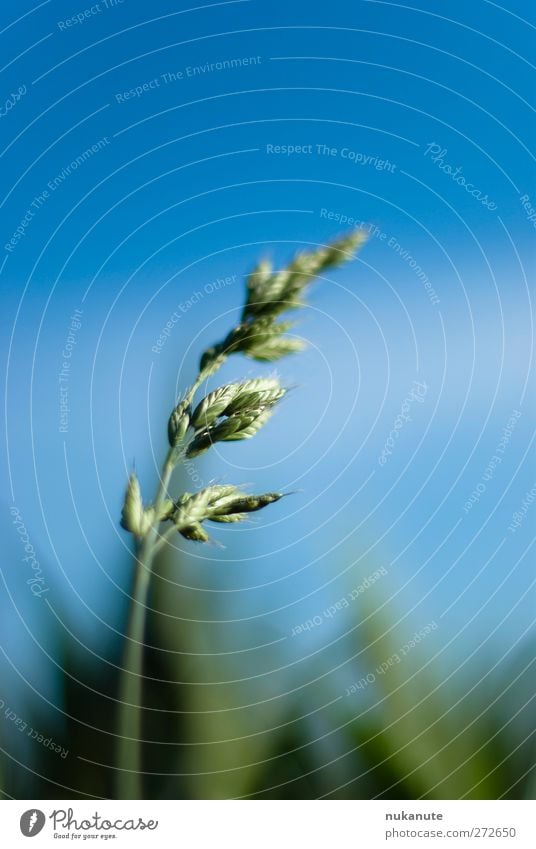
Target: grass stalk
232 412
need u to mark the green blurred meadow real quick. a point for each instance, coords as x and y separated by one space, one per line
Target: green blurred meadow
350 721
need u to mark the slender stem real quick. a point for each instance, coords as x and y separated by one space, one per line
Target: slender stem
129 749
129 761
168 535
130 706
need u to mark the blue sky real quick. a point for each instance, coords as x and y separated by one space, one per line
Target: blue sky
136 191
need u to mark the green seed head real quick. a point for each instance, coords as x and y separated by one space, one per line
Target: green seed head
246 424
242 409
275 349
134 517
236 507
196 508
255 394
225 504
195 532
235 411
269 294
167 509
178 423
213 406
232 517
211 360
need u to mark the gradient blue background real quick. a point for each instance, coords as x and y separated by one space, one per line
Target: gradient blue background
185 192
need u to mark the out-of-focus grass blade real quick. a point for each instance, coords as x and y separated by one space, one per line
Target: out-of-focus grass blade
434 734
226 706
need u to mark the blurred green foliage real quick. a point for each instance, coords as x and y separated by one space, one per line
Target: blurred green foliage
225 722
